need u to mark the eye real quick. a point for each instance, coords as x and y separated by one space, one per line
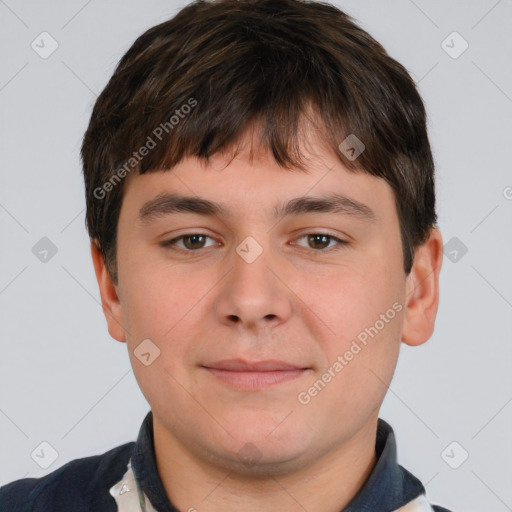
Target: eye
320 241
317 242
191 242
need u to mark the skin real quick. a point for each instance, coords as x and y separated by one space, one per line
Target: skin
299 302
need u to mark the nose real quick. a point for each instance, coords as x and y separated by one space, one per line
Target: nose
253 294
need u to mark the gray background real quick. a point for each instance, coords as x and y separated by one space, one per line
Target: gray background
64 381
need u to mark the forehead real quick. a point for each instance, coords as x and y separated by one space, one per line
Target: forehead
253 183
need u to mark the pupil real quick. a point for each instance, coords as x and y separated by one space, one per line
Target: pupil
314 237
194 240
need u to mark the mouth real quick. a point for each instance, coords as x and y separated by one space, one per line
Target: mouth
250 376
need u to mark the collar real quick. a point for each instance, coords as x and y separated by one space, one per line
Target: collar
388 488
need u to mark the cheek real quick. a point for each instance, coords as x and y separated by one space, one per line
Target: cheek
349 299
359 348
156 299
356 314
159 308
166 306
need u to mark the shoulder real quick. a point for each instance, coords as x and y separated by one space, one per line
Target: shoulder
80 485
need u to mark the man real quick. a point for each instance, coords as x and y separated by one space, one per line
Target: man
261 206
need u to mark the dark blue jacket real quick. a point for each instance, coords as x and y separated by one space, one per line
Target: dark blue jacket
82 485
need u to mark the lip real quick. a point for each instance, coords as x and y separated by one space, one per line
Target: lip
253 375
240 365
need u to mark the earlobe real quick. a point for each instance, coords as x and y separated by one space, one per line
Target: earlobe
109 297
422 294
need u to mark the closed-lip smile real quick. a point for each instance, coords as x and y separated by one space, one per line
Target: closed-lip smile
254 375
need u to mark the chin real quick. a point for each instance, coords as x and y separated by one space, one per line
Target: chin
260 450
251 461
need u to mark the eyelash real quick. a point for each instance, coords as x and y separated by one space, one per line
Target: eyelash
171 244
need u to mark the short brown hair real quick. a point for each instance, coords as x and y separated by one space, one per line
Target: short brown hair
243 61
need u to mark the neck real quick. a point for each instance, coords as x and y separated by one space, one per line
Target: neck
326 484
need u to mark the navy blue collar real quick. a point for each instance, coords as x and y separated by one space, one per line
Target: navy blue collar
388 487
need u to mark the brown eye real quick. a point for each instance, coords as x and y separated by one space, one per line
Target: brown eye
317 242
189 243
193 241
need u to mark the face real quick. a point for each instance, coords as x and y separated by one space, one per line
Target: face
275 336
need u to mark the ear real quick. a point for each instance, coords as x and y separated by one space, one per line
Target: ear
422 287
109 298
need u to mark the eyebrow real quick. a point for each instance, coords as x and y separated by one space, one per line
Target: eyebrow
167 204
